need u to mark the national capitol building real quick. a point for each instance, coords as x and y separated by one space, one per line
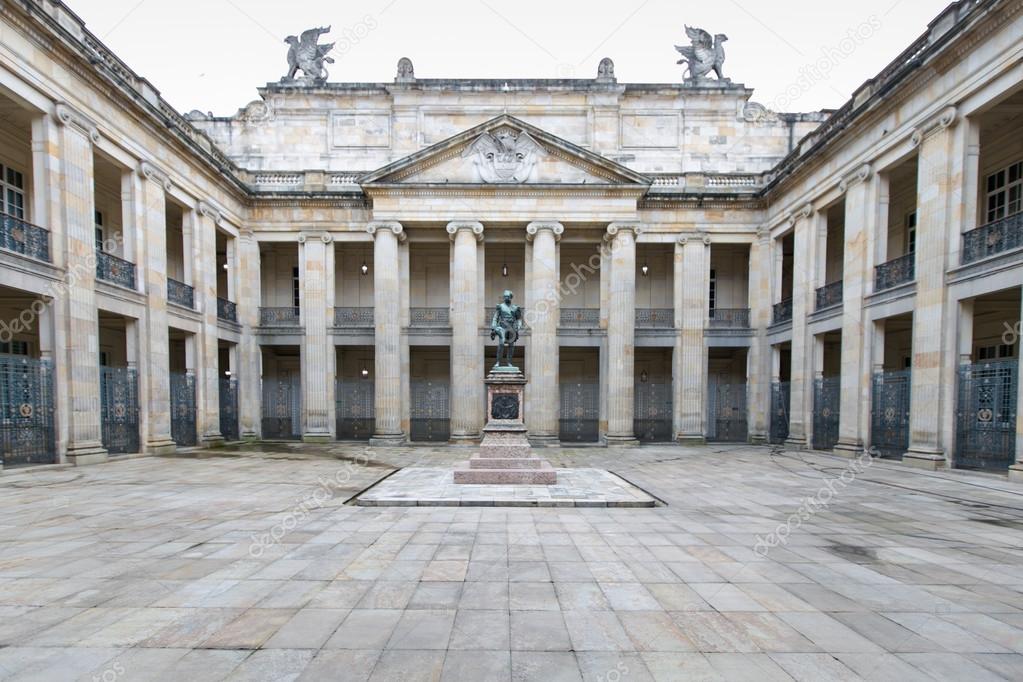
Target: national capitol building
693 266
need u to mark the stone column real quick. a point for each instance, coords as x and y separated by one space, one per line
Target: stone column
621 331
317 380
249 369
802 378
467 394
861 207
692 290
542 318
1016 469
761 360
204 278
938 217
155 358
387 320
76 325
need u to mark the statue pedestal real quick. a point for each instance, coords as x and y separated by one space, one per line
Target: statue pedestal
505 455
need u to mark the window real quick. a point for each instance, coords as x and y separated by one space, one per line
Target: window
295 289
13 186
14 348
100 238
1004 192
999 352
712 295
104 359
911 232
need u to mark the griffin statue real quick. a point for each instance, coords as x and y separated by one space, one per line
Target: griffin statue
706 54
305 55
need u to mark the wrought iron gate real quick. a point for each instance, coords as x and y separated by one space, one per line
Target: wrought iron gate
119 409
781 403
26 409
282 409
580 412
986 415
182 408
889 413
229 409
827 394
431 416
727 413
652 420
355 415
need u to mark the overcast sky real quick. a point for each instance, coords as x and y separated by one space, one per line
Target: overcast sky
798 55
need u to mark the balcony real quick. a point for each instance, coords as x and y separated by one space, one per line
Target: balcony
25 238
993 238
655 318
110 268
430 318
280 317
782 311
180 293
895 272
353 317
580 318
227 310
829 295
728 318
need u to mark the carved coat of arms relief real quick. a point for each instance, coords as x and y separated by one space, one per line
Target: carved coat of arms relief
505 156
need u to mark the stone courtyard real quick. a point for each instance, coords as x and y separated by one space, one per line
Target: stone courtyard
250 563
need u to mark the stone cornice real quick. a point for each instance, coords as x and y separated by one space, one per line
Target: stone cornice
534 227
473 226
73 118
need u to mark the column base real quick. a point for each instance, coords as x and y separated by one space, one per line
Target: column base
621 441
758 440
796 443
928 459
87 454
691 439
1016 473
213 440
464 439
545 441
387 439
848 450
317 438
250 437
164 446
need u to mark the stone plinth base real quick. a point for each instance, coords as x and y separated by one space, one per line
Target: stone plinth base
87 455
1016 473
387 439
505 456
160 447
932 461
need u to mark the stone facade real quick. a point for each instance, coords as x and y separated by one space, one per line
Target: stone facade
684 256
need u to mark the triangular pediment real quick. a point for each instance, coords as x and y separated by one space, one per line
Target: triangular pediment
505 151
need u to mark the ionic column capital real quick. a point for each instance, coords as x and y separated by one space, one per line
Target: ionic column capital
387 225
615 229
532 229
857 176
150 171
473 226
801 214
69 116
207 211
947 118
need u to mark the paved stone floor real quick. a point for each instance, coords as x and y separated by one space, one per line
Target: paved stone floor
766 565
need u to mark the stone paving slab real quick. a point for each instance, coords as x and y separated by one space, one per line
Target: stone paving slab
435 487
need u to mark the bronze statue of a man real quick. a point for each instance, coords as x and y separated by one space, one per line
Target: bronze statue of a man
505 326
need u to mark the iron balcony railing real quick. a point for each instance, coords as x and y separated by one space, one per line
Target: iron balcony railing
993 238
353 317
728 318
280 317
25 238
580 318
782 311
180 293
655 318
227 310
895 272
829 295
110 268
430 317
